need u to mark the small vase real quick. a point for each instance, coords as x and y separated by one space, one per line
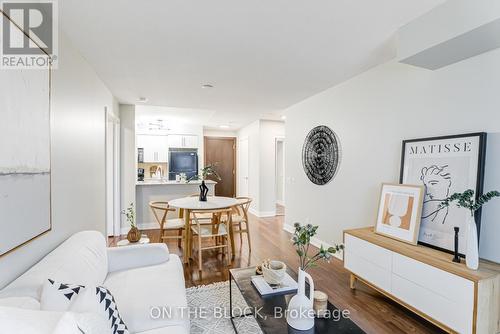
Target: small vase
472 250
300 312
134 235
203 191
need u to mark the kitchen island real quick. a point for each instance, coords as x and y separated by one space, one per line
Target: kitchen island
165 191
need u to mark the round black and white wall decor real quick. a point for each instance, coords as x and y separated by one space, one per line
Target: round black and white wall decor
321 155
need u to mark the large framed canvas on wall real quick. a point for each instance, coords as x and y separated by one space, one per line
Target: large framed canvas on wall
25 171
444 165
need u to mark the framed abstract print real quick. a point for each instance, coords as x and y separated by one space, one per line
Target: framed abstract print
399 212
444 165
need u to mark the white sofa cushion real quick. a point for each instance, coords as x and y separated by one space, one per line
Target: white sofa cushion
18 320
28 303
138 290
134 256
81 258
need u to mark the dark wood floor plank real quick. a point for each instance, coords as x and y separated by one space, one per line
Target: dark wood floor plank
370 310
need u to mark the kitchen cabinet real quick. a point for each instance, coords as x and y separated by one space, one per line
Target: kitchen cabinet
183 141
155 147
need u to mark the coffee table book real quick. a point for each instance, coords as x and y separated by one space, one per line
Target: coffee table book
288 285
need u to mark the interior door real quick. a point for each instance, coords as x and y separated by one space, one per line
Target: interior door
243 167
222 150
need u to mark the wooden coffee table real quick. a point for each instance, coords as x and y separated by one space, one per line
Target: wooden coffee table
266 306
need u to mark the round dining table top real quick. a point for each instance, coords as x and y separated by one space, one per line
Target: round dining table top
212 203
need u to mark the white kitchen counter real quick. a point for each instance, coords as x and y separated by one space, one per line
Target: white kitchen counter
165 191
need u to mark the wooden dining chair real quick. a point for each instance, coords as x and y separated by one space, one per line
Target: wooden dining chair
160 211
240 218
218 230
204 217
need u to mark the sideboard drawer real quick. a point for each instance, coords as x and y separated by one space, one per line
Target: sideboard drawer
373 254
457 316
451 287
368 261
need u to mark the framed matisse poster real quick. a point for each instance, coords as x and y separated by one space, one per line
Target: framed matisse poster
444 165
399 212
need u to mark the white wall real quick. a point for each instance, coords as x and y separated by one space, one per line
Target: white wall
262 136
372 113
78 152
219 133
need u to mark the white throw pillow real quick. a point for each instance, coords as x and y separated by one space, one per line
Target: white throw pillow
57 296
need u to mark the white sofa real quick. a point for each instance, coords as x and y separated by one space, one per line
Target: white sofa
140 277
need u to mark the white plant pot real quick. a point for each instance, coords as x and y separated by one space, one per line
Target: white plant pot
472 250
300 312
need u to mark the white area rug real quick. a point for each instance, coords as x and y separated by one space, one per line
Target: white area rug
212 301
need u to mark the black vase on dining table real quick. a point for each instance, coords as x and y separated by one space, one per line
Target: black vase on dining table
203 191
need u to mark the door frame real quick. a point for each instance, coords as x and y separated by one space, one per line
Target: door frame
239 158
276 141
235 152
113 227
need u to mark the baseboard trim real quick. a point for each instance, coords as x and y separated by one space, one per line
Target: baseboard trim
262 214
142 226
317 242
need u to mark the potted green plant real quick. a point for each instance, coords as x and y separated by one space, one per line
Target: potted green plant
134 235
205 172
300 313
468 201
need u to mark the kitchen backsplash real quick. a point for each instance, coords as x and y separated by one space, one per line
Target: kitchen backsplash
147 168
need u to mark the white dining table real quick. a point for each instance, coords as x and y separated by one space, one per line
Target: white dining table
188 204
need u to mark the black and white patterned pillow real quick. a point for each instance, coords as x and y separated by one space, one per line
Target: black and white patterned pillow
57 296
107 301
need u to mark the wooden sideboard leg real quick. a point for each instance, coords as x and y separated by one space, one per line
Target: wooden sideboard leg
352 282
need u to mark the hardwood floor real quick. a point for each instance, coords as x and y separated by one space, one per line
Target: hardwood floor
369 310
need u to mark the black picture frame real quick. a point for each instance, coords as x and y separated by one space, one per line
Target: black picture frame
482 139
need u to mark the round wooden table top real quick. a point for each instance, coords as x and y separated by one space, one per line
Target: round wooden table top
212 203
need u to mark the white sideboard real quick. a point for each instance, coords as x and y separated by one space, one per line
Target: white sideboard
426 281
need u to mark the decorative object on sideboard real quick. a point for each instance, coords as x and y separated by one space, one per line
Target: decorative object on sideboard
134 235
399 212
321 155
300 313
205 172
444 165
468 201
273 272
456 257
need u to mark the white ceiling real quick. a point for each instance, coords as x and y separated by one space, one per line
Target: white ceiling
261 56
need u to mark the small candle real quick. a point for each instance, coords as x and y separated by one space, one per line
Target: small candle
320 303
